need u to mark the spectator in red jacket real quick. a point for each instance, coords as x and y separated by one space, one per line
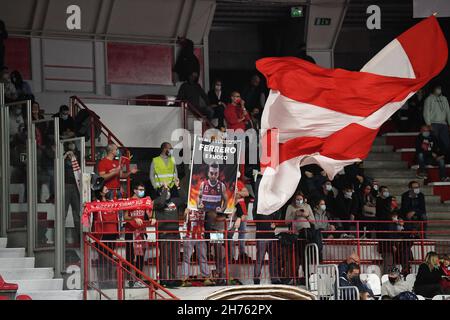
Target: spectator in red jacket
235 113
445 266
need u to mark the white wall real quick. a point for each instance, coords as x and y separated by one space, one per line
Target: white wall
140 126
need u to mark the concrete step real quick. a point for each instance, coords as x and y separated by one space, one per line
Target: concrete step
379 141
38 284
385 164
382 149
434 207
397 182
428 199
390 173
26 273
9 263
434 215
399 190
3 242
12 252
54 294
381 156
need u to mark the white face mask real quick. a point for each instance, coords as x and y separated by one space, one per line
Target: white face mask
323 207
348 194
438 92
328 187
299 202
375 187
238 174
386 194
416 190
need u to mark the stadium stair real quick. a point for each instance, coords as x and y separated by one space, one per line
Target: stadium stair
387 164
37 283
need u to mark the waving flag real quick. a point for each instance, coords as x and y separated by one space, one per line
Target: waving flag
331 117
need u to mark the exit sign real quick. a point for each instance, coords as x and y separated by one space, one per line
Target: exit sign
296 12
322 22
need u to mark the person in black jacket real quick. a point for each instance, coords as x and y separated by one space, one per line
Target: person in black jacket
347 208
429 153
169 206
414 200
429 276
3 37
218 100
383 205
192 92
187 62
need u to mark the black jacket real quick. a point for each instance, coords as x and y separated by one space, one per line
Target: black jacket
428 145
163 210
413 204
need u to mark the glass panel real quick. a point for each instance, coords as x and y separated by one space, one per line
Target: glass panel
18 132
45 188
73 155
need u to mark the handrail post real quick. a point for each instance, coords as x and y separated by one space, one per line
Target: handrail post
86 266
422 242
358 247
92 139
119 281
227 274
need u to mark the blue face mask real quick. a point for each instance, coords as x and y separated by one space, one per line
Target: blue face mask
141 193
426 134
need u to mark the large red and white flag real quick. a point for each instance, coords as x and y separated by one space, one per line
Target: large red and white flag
331 117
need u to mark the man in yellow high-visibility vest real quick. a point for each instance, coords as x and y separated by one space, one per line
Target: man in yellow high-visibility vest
163 170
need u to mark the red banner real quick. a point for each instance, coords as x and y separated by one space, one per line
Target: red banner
117 205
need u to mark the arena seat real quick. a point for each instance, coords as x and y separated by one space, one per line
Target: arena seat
373 281
441 297
420 297
375 269
23 297
410 279
384 278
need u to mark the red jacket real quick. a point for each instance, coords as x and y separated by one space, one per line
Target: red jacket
232 115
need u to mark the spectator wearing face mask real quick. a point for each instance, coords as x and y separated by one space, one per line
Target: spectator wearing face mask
313 176
429 153
436 114
394 286
383 205
351 279
368 207
168 210
347 208
163 169
66 123
329 194
375 188
413 200
135 233
322 223
429 276
218 100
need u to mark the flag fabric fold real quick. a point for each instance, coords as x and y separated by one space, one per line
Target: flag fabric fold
331 117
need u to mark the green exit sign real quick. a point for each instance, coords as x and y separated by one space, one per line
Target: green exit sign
322 22
296 12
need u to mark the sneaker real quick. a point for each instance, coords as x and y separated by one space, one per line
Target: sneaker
421 175
235 282
276 281
446 179
186 284
130 284
256 281
208 282
140 285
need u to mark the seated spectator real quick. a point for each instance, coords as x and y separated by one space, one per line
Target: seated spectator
343 266
413 200
368 206
355 175
445 266
236 114
394 286
10 89
351 279
429 153
66 123
23 89
192 92
218 100
322 218
347 208
429 276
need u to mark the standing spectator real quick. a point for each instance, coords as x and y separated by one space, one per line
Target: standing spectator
195 236
109 168
375 188
415 110
347 208
436 114
192 92
322 224
236 114
72 185
314 177
218 100
429 277
255 118
135 234
383 205
368 208
187 62
428 153
254 95
394 286
300 217
23 89
329 193
10 89
388 247
163 169
168 209
413 200
3 37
